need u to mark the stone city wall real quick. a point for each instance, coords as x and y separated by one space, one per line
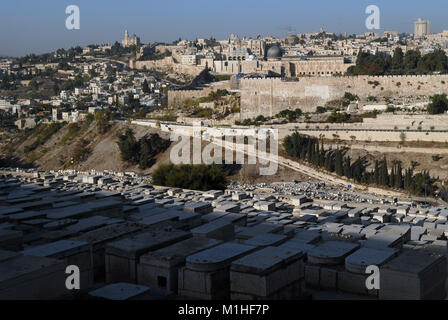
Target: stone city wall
177 97
268 96
331 133
166 65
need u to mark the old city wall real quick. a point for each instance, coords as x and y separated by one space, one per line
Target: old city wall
177 97
268 96
167 65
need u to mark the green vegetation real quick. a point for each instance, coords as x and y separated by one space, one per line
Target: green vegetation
349 98
102 119
213 96
289 114
80 153
439 104
308 149
202 112
391 109
43 132
252 122
321 109
165 117
143 151
118 50
410 63
221 77
337 117
195 177
73 130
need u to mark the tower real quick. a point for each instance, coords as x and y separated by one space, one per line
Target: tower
421 28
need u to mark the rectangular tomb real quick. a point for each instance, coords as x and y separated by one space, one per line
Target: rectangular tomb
206 274
122 256
71 252
270 273
159 269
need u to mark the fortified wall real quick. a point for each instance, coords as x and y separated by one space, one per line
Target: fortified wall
177 97
268 96
166 65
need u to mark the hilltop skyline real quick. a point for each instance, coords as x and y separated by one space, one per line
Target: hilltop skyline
40 27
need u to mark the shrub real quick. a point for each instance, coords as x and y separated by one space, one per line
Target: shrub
195 177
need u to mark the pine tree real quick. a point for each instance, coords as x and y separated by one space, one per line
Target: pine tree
376 173
338 163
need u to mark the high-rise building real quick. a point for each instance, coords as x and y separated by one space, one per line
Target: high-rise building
421 28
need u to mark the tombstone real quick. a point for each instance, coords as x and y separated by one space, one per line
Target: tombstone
249 232
128 291
237 196
228 207
358 261
71 252
331 252
11 240
213 194
267 239
270 273
209 217
299 200
159 269
123 255
99 238
198 207
206 274
32 278
160 220
218 229
414 275
264 205
237 219
8 255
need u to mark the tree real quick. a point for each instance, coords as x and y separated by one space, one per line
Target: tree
196 177
397 60
33 84
143 151
128 146
102 119
410 60
145 87
338 163
439 104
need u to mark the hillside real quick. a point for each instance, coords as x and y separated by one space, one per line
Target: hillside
54 149
72 146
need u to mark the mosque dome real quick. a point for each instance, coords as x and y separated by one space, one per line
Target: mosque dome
274 52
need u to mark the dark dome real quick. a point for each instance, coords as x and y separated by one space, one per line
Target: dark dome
274 52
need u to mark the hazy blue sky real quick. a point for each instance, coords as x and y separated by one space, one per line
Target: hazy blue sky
36 26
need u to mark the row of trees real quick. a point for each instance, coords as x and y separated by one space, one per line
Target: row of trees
195 177
142 151
413 62
335 160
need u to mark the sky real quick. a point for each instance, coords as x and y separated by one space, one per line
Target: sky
38 26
